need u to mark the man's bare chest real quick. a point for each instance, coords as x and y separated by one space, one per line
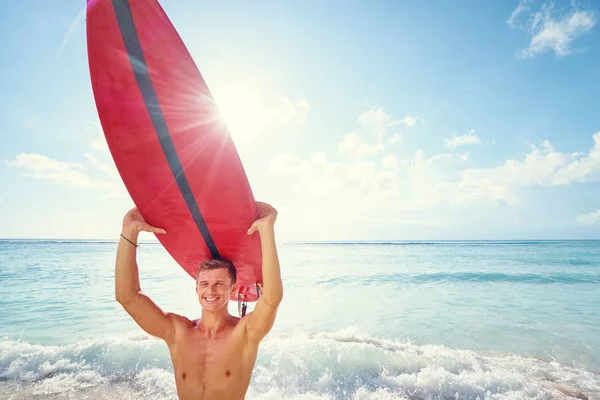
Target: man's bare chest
217 360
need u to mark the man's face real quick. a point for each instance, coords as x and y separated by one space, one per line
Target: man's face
214 288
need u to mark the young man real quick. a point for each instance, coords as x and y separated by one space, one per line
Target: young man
213 357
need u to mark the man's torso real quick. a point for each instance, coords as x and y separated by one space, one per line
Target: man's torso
212 368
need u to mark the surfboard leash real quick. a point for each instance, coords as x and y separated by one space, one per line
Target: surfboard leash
243 305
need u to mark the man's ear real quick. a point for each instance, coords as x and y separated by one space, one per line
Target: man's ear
234 288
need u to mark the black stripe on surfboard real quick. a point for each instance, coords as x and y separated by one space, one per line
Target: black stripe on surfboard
138 64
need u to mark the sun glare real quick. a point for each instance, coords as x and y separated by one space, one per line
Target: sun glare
242 112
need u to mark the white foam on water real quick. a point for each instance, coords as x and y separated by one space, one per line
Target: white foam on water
320 366
347 365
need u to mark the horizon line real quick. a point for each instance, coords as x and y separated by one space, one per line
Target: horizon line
324 241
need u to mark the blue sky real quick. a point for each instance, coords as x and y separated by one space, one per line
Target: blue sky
388 120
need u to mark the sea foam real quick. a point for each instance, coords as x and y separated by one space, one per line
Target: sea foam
342 365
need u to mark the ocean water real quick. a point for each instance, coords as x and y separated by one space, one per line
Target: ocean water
435 320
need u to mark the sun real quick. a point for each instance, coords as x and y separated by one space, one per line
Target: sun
242 111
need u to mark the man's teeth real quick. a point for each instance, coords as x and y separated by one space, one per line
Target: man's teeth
210 298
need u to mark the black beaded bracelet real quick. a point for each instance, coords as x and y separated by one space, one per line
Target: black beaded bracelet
136 245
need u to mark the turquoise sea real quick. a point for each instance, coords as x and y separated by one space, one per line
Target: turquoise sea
410 320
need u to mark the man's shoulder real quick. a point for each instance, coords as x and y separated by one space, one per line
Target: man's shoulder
182 321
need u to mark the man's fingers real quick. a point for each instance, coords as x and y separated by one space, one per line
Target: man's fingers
149 228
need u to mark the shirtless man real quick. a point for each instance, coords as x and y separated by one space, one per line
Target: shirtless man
213 357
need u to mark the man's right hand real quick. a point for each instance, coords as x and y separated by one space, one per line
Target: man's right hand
133 222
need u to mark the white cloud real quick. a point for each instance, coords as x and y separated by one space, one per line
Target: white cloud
395 138
319 158
40 166
589 218
389 162
371 138
100 145
558 35
552 33
289 112
98 142
466 139
434 180
354 144
64 173
377 121
374 180
522 7
347 186
108 169
423 182
290 164
341 183
72 174
542 166
416 183
410 121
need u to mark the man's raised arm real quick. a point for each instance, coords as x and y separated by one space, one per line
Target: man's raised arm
127 283
261 320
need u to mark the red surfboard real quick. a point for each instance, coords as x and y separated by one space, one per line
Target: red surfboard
169 143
